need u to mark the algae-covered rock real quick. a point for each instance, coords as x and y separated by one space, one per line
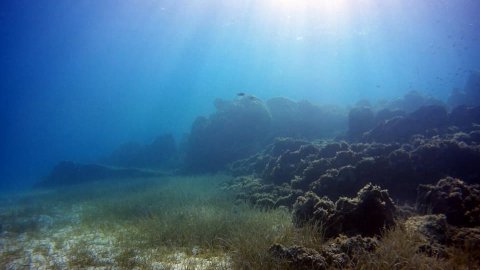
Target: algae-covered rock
298 257
367 214
459 202
340 253
343 251
434 228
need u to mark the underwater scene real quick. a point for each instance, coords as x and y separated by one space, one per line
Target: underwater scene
253 134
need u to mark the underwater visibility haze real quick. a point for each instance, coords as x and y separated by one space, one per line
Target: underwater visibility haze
159 134
81 77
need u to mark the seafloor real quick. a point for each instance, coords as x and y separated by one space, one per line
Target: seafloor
157 223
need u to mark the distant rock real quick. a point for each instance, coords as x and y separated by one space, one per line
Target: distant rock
412 101
159 154
427 120
464 116
236 130
304 120
470 95
360 120
70 173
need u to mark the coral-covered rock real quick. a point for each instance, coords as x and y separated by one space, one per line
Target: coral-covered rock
450 196
367 214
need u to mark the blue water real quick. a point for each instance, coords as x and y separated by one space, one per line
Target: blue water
80 77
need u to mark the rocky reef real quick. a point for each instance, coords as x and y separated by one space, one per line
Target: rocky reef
244 126
352 177
356 226
350 189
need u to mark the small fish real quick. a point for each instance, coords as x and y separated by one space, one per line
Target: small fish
241 94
